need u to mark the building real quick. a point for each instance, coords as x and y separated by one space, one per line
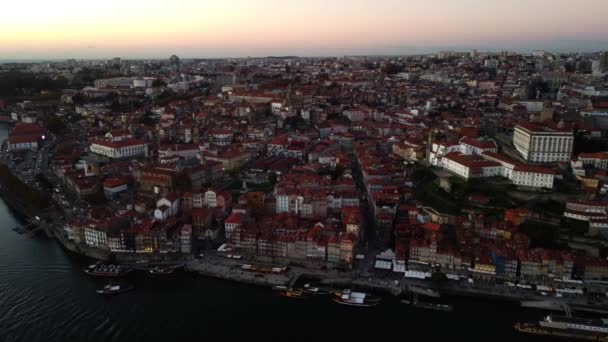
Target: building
115 185
23 143
533 176
598 160
468 166
543 143
181 150
477 147
120 149
26 136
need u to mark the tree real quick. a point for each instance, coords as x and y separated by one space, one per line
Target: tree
272 178
158 83
541 234
439 278
54 124
392 68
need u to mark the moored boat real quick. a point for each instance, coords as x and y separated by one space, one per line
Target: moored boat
112 289
349 297
312 290
565 327
434 306
161 271
101 270
292 294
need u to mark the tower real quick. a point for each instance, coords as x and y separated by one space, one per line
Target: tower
547 112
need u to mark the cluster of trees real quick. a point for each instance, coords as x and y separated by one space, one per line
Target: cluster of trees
541 234
393 68
15 83
29 196
86 76
54 124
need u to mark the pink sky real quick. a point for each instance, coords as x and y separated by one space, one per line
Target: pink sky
203 28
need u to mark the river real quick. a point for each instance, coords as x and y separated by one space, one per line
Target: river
44 296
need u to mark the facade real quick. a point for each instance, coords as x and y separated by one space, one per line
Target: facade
543 143
113 186
95 237
468 166
597 160
23 143
532 176
120 149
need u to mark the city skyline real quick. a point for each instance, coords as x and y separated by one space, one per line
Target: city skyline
151 29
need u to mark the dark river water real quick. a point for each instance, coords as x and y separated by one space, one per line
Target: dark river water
44 296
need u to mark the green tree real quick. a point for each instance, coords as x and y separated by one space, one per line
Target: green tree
438 278
54 124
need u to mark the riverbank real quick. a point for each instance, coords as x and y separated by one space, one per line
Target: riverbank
223 268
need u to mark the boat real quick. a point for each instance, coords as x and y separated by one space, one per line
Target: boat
315 291
349 297
582 329
112 289
433 306
101 270
279 288
292 294
161 270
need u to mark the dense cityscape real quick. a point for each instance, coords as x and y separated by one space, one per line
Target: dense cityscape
467 173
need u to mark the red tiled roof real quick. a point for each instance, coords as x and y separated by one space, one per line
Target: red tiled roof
119 144
533 169
479 144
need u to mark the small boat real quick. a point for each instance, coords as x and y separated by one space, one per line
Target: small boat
161 271
279 288
434 306
315 291
348 297
292 294
101 270
112 289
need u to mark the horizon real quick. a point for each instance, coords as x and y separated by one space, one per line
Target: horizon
430 52
141 29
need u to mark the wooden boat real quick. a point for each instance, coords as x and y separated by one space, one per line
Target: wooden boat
292 294
101 270
315 291
349 297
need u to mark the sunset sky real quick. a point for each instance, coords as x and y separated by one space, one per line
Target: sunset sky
203 28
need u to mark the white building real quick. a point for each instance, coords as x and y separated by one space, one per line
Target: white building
543 143
354 115
598 160
185 238
171 201
468 166
94 237
533 176
183 150
439 150
477 147
494 164
145 82
120 149
116 82
23 143
114 185
507 164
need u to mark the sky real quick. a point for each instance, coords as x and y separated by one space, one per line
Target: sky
35 29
